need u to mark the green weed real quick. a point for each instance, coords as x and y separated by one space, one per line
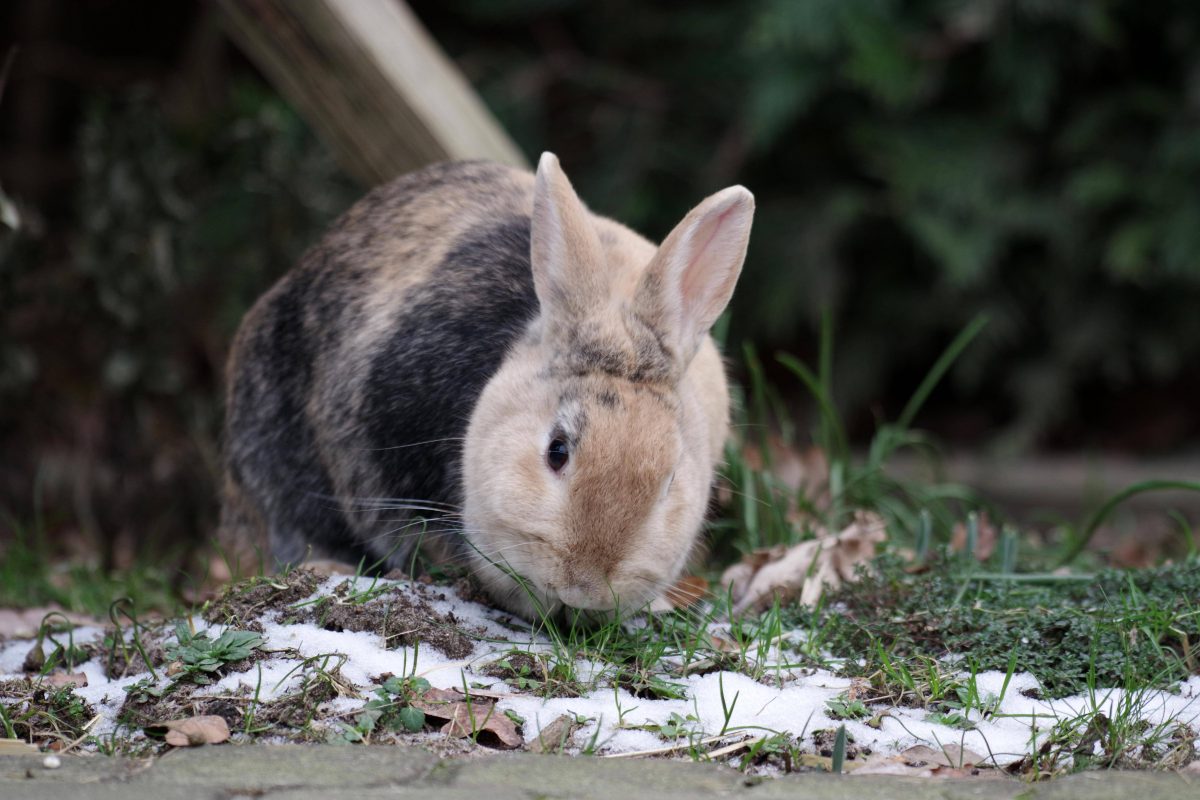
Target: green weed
200 657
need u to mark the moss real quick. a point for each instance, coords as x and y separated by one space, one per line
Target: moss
1122 627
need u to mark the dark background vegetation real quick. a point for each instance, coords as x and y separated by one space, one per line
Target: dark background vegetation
915 164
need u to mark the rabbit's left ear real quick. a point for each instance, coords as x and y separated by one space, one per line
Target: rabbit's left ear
691 278
569 274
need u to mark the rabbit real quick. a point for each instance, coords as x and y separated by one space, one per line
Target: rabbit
472 360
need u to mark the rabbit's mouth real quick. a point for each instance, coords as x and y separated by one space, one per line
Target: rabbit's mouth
535 595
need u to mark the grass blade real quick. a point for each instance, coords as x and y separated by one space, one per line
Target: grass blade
939 369
839 751
1076 546
835 446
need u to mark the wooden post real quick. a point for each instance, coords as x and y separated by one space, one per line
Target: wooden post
371 81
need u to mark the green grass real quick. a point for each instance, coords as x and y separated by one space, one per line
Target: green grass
763 508
1114 628
32 574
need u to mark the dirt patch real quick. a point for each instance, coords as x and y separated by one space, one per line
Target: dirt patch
142 709
38 713
248 663
823 741
299 708
295 710
535 672
469 589
397 615
514 666
243 604
122 654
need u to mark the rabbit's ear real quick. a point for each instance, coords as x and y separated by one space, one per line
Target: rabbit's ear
691 278
569 274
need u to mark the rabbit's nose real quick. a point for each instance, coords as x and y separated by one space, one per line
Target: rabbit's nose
586 597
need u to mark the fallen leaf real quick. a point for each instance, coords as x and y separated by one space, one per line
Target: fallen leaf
16 747
927 762
194 731
805 473
508 735
486 724
805 570
555 737
893 765
859 689
477 718
460 724
723 645
985 545
24 623
951 755
59 678
815 761
439 703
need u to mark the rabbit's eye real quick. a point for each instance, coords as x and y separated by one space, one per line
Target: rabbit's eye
557 454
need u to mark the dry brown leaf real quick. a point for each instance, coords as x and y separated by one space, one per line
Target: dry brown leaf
722 644
555 737
893 765
16 747
24 623
439 703
60 678
816 761
508 735
859 689
805 570
462 722
927 762
478 718
194 731
486 724
804 472
985 545
951 755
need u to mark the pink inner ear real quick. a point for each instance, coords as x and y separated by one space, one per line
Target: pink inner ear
699 281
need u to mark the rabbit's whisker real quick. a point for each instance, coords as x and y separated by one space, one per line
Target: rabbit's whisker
415 444
374 502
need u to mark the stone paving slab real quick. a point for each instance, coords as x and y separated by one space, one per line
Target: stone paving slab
298 772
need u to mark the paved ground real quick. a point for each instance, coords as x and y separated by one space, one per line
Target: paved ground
294 772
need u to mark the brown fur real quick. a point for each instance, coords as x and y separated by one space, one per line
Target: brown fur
480 300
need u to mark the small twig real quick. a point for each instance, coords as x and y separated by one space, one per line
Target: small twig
661 751
87 731
735 747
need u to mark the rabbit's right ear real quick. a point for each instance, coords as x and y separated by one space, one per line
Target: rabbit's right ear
569 275
689 282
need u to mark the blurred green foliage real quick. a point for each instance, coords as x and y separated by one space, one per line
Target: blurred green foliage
114 335
915 163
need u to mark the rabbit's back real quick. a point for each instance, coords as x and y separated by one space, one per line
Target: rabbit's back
352 380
